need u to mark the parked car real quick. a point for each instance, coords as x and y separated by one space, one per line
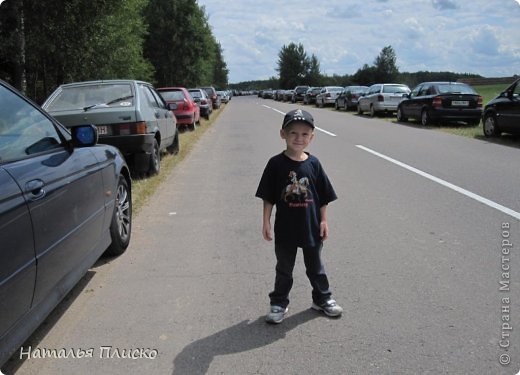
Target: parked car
298 93
278 95
287 95
201 99
128 114
382 97
224 96
328 95
64 202
348 98
212 95
187 112
502 114
432 102
310 95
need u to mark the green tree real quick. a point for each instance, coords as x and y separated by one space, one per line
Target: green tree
314 77
220 70
385 66
293 65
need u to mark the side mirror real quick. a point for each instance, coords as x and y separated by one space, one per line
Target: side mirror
84 135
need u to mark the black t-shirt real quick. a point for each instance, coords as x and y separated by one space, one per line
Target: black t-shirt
298 189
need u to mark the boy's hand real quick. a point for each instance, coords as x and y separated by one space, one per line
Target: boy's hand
266 231
324 230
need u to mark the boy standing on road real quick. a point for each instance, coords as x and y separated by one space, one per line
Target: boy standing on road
296 183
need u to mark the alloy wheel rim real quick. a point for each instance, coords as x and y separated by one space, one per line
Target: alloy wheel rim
123 213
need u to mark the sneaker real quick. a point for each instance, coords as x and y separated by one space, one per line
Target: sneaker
276 315
330 308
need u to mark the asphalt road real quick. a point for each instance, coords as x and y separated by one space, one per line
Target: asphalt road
424 230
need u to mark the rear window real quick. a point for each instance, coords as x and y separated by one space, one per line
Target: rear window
396 89
174 95
92 96
455 89
195 94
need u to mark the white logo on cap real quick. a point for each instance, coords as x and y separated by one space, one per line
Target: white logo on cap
298 113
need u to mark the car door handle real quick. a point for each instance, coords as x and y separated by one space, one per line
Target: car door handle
35 189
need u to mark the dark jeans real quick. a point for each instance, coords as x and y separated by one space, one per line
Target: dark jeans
285 259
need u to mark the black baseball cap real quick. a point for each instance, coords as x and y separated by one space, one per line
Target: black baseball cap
297 115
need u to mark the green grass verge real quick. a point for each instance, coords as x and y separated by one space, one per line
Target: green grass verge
144 188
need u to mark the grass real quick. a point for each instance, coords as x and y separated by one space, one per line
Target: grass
144 188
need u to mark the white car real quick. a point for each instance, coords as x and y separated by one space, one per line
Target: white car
382 97
328 95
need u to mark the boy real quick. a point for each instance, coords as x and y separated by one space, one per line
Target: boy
296 183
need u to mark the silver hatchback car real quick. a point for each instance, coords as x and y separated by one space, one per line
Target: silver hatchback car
382 97
128 114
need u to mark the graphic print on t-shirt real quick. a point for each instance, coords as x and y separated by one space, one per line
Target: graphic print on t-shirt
296 193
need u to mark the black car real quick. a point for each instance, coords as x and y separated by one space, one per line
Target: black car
64 201
310 95
502 114
433 102
348 98
298 94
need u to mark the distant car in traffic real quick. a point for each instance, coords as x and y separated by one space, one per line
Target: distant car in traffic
212 95
502 114
298 93
128 114
64 201
434 102
310 95
382 98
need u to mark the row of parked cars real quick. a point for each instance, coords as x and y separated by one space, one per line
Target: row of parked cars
66 186
429 102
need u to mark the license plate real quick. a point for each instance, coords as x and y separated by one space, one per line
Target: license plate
461 103
102 130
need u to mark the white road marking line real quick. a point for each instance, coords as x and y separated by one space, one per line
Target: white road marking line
317 128
447 184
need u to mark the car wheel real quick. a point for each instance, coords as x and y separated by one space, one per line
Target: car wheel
372 111
490 126
321 104
359 111
174 147
121 224
336 106
155 159
400 116
425 118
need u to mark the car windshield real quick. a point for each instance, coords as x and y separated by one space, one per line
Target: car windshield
458 89
394 89
335 89
92 96
174 95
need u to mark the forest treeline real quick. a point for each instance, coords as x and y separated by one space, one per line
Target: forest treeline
167 42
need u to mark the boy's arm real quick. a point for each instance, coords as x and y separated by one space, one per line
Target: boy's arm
324 227
266 227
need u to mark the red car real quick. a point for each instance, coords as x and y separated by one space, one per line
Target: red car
187 112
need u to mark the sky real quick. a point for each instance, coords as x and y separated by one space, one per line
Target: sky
462 36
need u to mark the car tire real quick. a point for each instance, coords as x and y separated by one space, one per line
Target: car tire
321 104
336 106
359 111
372 111
155 160
121 224
175 146
425 118
400 116
490 126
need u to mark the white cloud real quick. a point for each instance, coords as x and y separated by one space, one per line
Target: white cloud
480 36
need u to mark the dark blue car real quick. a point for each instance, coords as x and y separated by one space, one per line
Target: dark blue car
64 201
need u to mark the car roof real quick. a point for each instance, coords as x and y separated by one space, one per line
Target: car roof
101 82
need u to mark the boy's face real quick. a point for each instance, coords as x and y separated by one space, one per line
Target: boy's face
297 136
